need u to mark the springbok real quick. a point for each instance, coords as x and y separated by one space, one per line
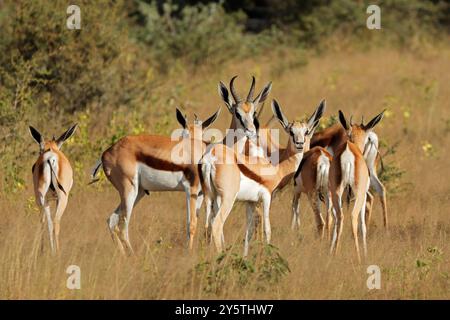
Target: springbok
242 133
349 170
334 136
52 171
138 165
228 176
244 123
311 178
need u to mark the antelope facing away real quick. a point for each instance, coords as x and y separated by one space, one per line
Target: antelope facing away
311 178
349 170
334 136
138 165
52 171
228 176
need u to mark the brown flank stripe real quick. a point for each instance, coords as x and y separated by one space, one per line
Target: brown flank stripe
160 164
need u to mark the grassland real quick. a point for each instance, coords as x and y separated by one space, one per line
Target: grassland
413 254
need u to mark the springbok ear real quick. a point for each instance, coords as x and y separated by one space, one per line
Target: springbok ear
181 119
276 109
262 96
211 119
343 121
259 111
225 95
66 135
313 121
372 123
313 128
37 137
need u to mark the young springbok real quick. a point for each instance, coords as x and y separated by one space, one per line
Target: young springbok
311 178
52 171
333 137
138 165
228 176
349 170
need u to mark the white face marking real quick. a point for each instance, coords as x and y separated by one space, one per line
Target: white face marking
297 134
244 120
159 180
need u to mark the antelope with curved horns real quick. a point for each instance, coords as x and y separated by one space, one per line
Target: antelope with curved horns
333 136
138 165
52 171
311 178
228 176
349 170
243 127
244 123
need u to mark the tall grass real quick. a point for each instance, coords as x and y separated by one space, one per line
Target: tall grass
413 254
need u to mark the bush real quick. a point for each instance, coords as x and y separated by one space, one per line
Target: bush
48 73
196 34
401 21
264 269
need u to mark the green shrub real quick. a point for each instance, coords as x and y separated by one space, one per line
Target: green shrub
196 34
264 269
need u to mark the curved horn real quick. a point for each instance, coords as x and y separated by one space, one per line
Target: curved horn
233 91
351 120
362 121
251 91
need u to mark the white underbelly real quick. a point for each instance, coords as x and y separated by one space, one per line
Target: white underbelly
159 180
249 190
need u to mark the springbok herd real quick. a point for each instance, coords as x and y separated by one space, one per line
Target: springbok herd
247 165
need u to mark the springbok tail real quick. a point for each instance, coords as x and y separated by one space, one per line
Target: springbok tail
206 173
60 187
94 172
323 169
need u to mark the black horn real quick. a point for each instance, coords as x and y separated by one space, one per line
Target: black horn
236 97
251 91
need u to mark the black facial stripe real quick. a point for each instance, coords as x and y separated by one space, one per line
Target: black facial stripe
238 116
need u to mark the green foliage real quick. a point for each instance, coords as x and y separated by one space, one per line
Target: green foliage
264 269
49 73
428 262
390 173
196 34
402 21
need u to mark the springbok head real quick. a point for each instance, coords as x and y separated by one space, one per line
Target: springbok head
300 133
358 133
195 130
53 144
244 111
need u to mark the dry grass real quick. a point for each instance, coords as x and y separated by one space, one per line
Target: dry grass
359 83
